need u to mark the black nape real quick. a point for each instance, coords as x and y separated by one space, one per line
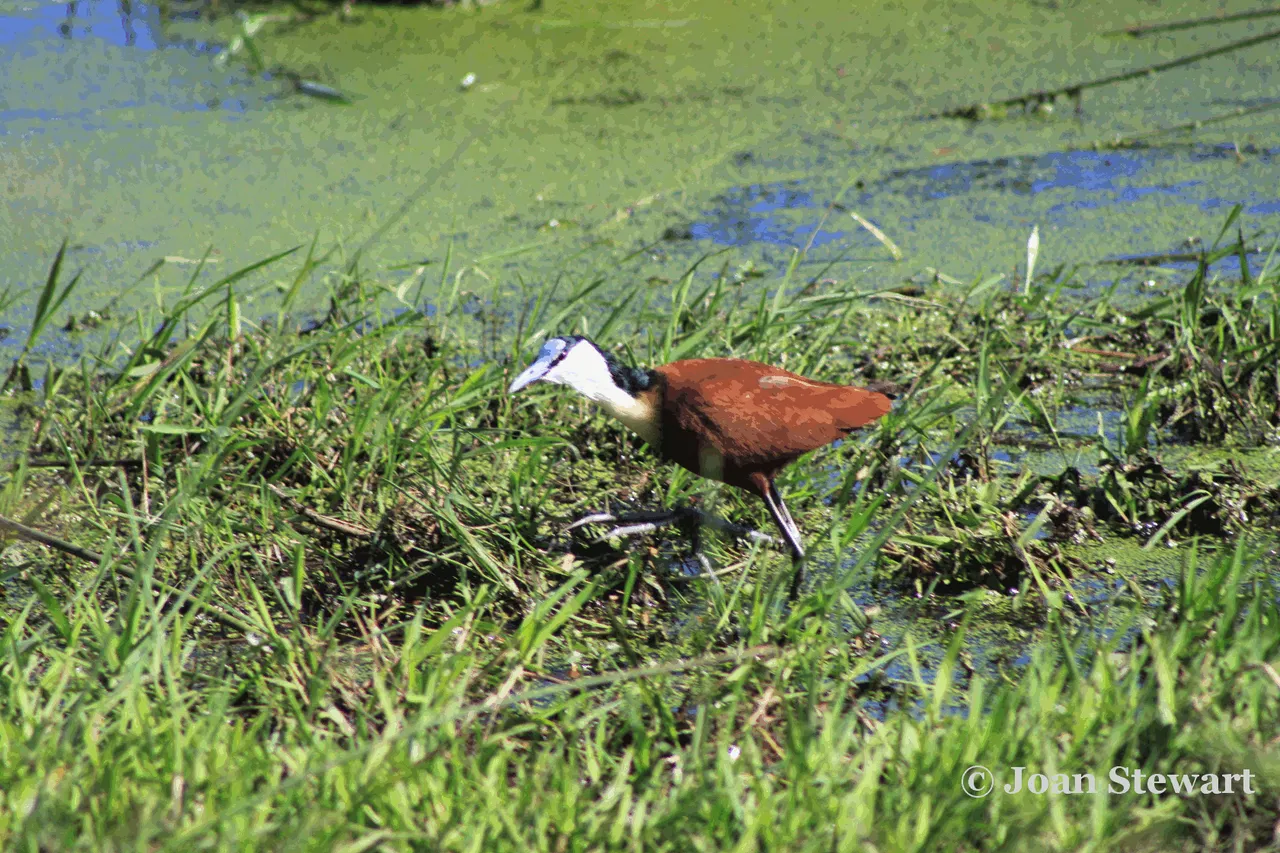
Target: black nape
633 380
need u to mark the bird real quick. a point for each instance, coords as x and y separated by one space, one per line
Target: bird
730 420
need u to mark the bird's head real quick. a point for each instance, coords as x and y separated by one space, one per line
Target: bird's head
627 393
571 360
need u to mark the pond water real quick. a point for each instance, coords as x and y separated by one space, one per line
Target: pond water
591 128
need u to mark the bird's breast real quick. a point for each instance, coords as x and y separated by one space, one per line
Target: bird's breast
644 426
640 414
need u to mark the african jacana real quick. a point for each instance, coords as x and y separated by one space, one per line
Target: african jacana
726 419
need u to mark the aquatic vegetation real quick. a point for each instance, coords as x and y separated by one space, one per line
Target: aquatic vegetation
322 591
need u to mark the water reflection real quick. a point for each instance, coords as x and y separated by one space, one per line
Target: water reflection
87 17
28 29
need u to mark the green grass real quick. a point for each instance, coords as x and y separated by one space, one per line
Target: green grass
335 608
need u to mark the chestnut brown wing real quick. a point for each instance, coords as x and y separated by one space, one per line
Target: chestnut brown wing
759 416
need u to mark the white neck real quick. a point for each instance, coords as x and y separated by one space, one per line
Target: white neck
585 371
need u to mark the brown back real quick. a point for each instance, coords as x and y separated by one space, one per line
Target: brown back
758 416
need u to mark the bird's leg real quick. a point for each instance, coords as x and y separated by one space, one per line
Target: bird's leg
782 516
797 576
691 523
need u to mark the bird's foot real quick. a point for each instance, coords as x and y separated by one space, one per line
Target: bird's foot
628 524
641 523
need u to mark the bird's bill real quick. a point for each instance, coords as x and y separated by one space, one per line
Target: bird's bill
532 373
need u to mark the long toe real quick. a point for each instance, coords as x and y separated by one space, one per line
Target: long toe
739 531
658 518
640 523
622 531
628 524
595 518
